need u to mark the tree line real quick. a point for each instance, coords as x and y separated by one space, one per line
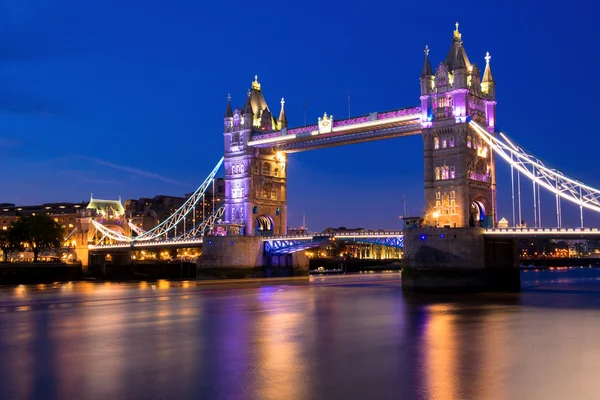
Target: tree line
39 232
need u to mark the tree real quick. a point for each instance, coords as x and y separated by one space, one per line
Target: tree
40 231
10 240
5 244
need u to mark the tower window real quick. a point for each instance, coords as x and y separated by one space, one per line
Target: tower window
451 141
266 170
452 173
437 174
444 172
436 143
444 143
469 141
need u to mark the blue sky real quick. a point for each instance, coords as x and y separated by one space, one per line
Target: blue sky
127 98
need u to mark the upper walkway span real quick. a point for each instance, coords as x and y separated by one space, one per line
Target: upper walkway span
328 132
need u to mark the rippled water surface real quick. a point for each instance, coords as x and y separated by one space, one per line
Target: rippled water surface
353 337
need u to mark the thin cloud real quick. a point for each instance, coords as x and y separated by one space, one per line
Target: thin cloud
9 143
136 171
27 104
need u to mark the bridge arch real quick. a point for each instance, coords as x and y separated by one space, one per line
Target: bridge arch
477 211
264 225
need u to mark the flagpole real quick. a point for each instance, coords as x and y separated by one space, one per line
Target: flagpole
304 113
348 104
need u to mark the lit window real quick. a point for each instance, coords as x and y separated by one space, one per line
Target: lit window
436 143
452 194
266 170
438 195
452 173
444 172
437 174
469 141
444 143
451 141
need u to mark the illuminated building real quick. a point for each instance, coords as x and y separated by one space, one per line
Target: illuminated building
74 218
255 179
460 174
65 214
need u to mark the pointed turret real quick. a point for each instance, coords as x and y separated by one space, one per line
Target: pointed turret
457 55
488 84
427 71
229 111
247 109
426 75
283 122
487 74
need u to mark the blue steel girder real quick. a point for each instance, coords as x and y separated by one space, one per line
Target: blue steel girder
288 246
395 241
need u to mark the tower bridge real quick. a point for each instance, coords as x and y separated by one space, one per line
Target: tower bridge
457 120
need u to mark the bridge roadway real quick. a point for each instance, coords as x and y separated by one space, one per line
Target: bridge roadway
276 244
281 241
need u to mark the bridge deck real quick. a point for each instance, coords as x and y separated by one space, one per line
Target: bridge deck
374 126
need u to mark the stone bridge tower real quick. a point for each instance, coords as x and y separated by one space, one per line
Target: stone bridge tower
460 173
255 179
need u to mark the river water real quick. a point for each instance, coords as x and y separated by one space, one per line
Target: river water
336 337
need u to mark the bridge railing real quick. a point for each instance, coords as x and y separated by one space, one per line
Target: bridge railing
334 235
541 230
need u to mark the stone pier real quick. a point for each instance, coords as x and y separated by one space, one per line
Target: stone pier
244 257
458 260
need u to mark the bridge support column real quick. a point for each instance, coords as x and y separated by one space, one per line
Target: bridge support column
243 257
458 260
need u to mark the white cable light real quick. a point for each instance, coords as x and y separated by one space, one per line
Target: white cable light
171 222
553 180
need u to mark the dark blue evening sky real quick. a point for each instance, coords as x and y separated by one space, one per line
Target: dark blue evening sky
127 97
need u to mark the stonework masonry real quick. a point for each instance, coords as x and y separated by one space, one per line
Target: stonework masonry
231 252
458 259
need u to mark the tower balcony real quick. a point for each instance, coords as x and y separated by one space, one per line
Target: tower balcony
442 112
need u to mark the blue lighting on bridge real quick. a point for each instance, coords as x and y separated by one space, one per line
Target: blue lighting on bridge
232 242
442 236
423 237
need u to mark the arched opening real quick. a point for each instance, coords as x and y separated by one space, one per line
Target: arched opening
477 214
266 169
264 225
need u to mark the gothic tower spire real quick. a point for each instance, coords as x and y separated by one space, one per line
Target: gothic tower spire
283 122
426 75
488 84
229 111
427 71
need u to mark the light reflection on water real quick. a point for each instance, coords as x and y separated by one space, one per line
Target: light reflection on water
357 337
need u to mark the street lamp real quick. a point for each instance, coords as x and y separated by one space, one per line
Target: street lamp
436 215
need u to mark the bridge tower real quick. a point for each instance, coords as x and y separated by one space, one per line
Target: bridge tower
255 179
460 173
